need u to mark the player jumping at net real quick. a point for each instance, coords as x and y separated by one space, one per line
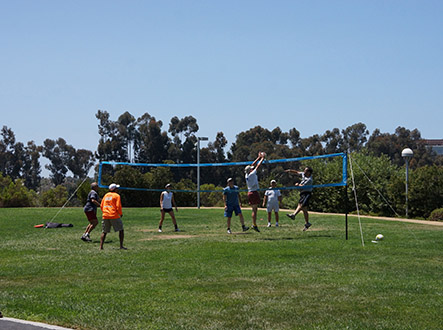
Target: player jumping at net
272 201
305 195
253 187
166 203
231 199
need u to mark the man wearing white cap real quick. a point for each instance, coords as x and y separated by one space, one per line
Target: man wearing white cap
111 206
272 201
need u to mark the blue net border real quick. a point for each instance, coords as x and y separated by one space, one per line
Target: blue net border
273 161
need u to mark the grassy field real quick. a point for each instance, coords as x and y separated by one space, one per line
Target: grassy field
281 278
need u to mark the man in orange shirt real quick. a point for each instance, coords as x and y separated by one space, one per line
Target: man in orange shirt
112 212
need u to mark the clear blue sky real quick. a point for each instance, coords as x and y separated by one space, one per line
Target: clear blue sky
312 65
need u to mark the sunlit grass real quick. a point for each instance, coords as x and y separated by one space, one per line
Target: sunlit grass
281 278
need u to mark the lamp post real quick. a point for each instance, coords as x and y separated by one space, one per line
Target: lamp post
407 154
199 138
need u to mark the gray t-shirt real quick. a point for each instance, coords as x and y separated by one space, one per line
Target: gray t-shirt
305 181
90 206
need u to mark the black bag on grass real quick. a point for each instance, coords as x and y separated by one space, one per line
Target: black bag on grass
57 225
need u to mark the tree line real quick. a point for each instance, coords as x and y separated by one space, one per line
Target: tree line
148 140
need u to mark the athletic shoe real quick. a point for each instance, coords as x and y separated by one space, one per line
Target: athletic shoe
229 231
176 229
160 230
269 224
307 225
84 238
256 229
245 228
292 216
276 224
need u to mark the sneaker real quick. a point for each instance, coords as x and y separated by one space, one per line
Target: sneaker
176 229
269 224
276 224
307 225
245 228
256 229
292 216
160 230
84 238
229 231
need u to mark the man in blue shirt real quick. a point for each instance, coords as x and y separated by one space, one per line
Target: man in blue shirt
232 203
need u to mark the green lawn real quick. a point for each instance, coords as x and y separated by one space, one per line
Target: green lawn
281 278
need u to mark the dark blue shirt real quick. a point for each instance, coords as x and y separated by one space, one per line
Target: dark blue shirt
231 195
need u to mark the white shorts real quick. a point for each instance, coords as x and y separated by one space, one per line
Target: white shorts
273 206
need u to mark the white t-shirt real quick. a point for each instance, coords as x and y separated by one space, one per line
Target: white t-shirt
252 180
273 195
167 200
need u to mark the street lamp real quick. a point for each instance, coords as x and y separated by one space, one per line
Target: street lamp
407 155
199 138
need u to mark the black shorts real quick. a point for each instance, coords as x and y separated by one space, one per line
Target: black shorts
166 210
305 196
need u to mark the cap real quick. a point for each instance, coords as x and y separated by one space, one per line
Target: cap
248 168
230 179
113 186
168 185
273 181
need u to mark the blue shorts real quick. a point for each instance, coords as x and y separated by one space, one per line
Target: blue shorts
232 208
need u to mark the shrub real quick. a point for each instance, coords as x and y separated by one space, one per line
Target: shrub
15 194
54 197
436 215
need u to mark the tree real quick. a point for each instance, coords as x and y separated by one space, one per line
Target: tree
183 150
112 145
333 141
59 154
80 162
152 144
354 137
393 144
31 166
7 157
126 124
18 161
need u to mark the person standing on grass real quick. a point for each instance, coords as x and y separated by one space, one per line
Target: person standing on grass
272 201
305 195
253 187
111 207
231 199
166 203
90 209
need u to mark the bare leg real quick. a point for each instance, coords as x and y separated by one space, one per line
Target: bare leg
269 217
254 215
276 216
298 209
228 223
162 217
91 226
102 240
242 220
173 218
306 214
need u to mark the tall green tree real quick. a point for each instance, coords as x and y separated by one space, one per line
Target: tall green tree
59 154
152 143
112 145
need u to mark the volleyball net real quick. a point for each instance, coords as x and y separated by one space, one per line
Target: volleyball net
329 171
